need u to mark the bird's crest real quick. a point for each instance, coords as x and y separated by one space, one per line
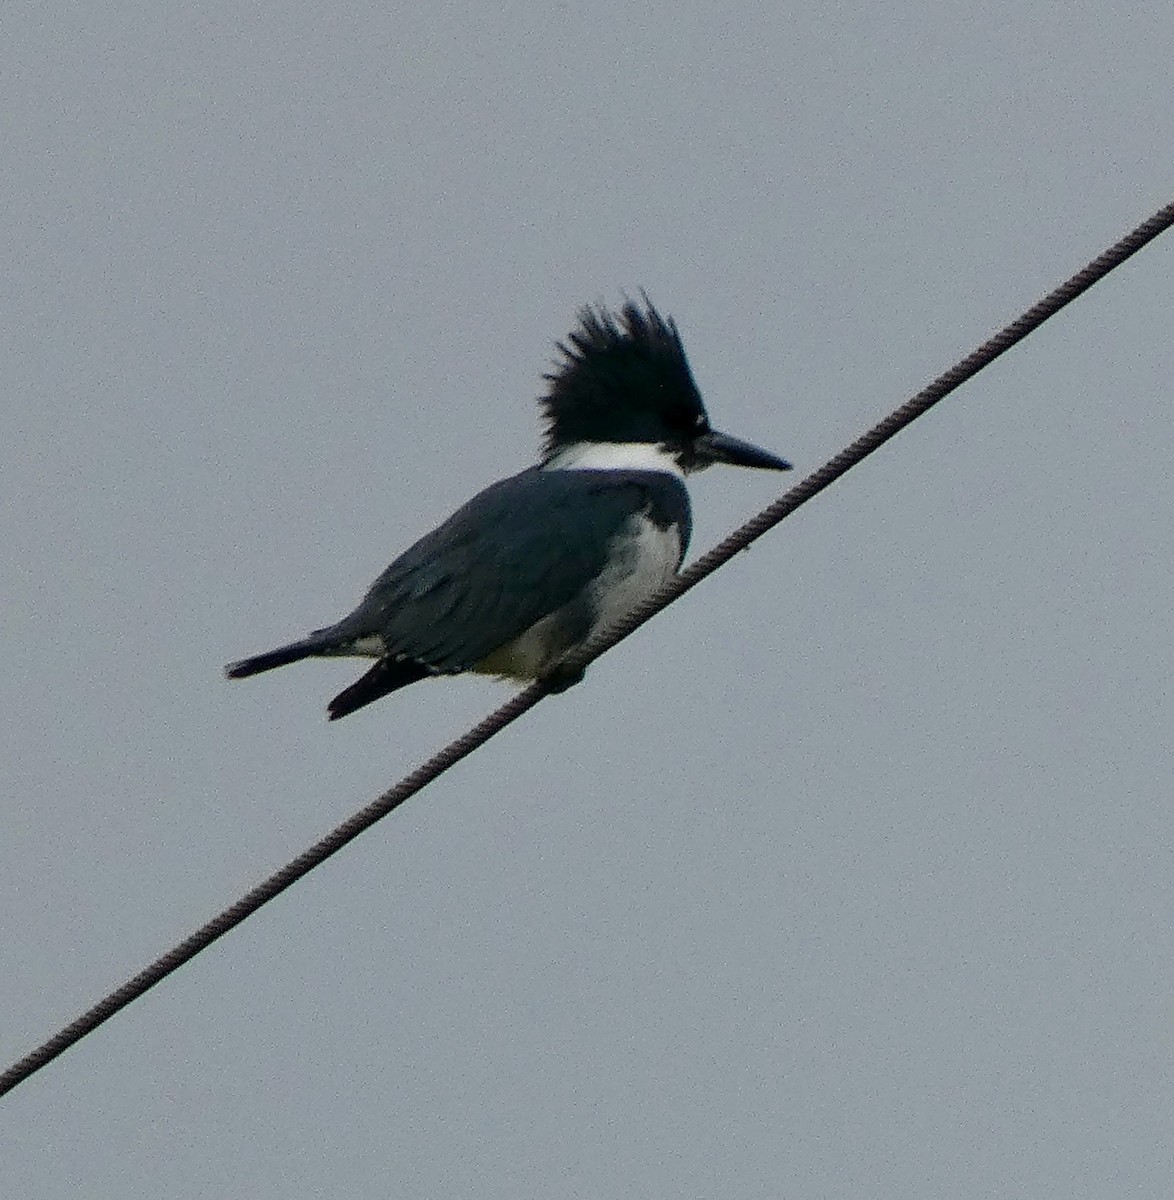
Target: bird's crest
621 377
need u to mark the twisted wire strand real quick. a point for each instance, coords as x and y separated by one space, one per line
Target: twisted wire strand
525 700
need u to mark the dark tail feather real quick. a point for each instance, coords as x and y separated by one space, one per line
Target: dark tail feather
387 675
294 652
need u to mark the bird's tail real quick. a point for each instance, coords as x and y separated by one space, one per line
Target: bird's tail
306 647
387 675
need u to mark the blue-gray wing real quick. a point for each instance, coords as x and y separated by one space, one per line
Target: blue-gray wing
520 550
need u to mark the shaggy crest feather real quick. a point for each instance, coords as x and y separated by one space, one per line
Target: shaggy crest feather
621 378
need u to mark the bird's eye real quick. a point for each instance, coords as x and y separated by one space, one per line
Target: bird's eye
688 420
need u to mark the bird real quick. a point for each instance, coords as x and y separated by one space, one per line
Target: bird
531 567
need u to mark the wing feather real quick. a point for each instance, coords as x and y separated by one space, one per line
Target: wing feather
520 550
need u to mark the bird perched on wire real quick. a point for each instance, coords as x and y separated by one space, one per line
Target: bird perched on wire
526 571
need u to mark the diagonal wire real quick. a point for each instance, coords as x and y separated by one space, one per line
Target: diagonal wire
525 700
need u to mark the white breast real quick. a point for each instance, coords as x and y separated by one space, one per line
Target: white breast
647 560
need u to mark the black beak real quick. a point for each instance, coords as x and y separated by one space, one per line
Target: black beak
714 447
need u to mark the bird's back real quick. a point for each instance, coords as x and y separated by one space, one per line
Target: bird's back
584 545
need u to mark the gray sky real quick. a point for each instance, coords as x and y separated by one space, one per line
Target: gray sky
851 876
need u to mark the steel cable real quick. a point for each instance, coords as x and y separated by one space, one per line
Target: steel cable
521 703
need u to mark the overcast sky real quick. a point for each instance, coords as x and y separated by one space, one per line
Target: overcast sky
852 875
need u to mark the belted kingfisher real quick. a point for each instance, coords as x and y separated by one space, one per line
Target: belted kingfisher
535 564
